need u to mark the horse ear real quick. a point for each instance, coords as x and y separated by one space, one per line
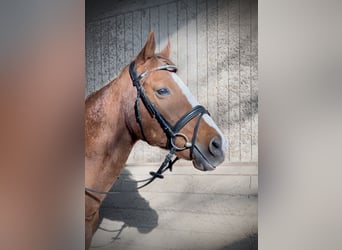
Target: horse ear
149 48
166 51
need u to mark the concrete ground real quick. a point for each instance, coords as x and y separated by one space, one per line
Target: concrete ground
188 209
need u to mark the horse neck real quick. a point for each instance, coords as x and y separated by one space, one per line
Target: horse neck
108 139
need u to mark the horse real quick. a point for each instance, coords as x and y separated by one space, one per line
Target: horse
147 101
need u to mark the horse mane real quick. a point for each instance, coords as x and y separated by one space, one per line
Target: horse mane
97 92
164 59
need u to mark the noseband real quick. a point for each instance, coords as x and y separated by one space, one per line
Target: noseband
171 132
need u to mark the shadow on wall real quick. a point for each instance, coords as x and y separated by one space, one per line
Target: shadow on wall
127 207
250 242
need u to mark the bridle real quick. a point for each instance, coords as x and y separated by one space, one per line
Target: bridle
171 131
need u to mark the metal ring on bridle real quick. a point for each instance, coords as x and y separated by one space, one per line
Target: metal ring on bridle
187 143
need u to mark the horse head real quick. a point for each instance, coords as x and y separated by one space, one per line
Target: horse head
168 115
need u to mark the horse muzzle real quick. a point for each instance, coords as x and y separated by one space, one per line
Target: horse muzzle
208 158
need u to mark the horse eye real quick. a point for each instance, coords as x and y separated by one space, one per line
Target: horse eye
163 91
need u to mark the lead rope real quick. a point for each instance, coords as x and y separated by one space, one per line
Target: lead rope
100 192
167 164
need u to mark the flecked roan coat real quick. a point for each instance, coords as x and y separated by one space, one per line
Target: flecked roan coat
111 129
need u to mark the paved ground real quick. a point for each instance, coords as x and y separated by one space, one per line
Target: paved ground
187 210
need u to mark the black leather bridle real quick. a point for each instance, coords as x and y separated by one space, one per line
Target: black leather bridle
171 131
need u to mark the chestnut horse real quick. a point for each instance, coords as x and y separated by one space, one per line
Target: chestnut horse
147 101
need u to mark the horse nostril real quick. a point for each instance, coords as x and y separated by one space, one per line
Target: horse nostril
215 146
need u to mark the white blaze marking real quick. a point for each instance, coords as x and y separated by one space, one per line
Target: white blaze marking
192 100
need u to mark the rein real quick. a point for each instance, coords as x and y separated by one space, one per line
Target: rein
171 132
